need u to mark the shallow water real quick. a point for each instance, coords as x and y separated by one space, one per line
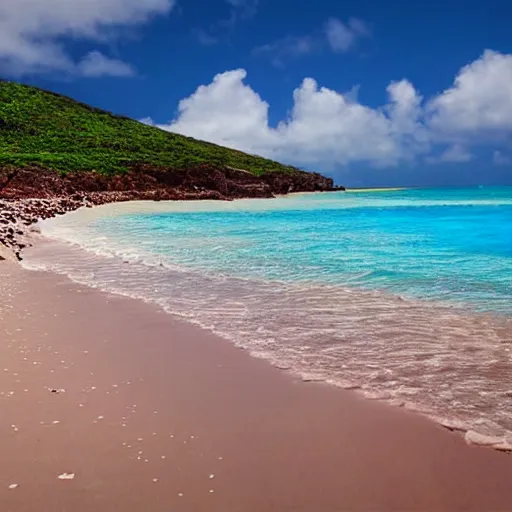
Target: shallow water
405 294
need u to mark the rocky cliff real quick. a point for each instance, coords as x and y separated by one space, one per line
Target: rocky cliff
149 182
28 194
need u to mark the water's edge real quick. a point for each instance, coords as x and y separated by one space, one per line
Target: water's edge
471 331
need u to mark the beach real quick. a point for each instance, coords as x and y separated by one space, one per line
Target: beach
136 410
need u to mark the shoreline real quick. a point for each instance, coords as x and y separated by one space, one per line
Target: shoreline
18 214
471 433
201 407
327 443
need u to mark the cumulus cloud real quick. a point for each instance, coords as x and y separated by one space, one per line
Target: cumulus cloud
479 104
323 126
227 112
342 37
328 128
31 32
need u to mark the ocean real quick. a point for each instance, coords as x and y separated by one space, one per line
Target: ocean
404 295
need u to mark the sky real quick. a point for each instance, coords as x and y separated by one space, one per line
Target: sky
370 92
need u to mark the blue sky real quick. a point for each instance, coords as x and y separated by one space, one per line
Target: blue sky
370 92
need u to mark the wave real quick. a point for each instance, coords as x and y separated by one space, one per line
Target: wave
445 255
438 360
328 286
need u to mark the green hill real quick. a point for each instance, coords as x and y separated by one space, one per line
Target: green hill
44 129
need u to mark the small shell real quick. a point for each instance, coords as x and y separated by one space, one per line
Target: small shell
66 476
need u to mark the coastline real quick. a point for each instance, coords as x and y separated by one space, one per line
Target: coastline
291 445
270 441
18 214
77 261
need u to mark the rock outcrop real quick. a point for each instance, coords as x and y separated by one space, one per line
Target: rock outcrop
29 194
144 181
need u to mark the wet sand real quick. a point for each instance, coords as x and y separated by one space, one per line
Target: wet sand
151 413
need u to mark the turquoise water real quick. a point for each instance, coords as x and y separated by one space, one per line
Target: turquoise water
451 245
405 295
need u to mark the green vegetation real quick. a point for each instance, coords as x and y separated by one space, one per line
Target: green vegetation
48 130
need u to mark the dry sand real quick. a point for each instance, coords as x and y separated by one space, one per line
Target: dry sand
152 414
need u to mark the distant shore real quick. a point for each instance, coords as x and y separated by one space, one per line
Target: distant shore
376 189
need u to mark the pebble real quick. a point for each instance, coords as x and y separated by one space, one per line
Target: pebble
18 215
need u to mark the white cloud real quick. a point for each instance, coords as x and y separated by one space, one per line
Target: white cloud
405 114
31 31
96 64
479 104
500 159
227 112
342 37
325 127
